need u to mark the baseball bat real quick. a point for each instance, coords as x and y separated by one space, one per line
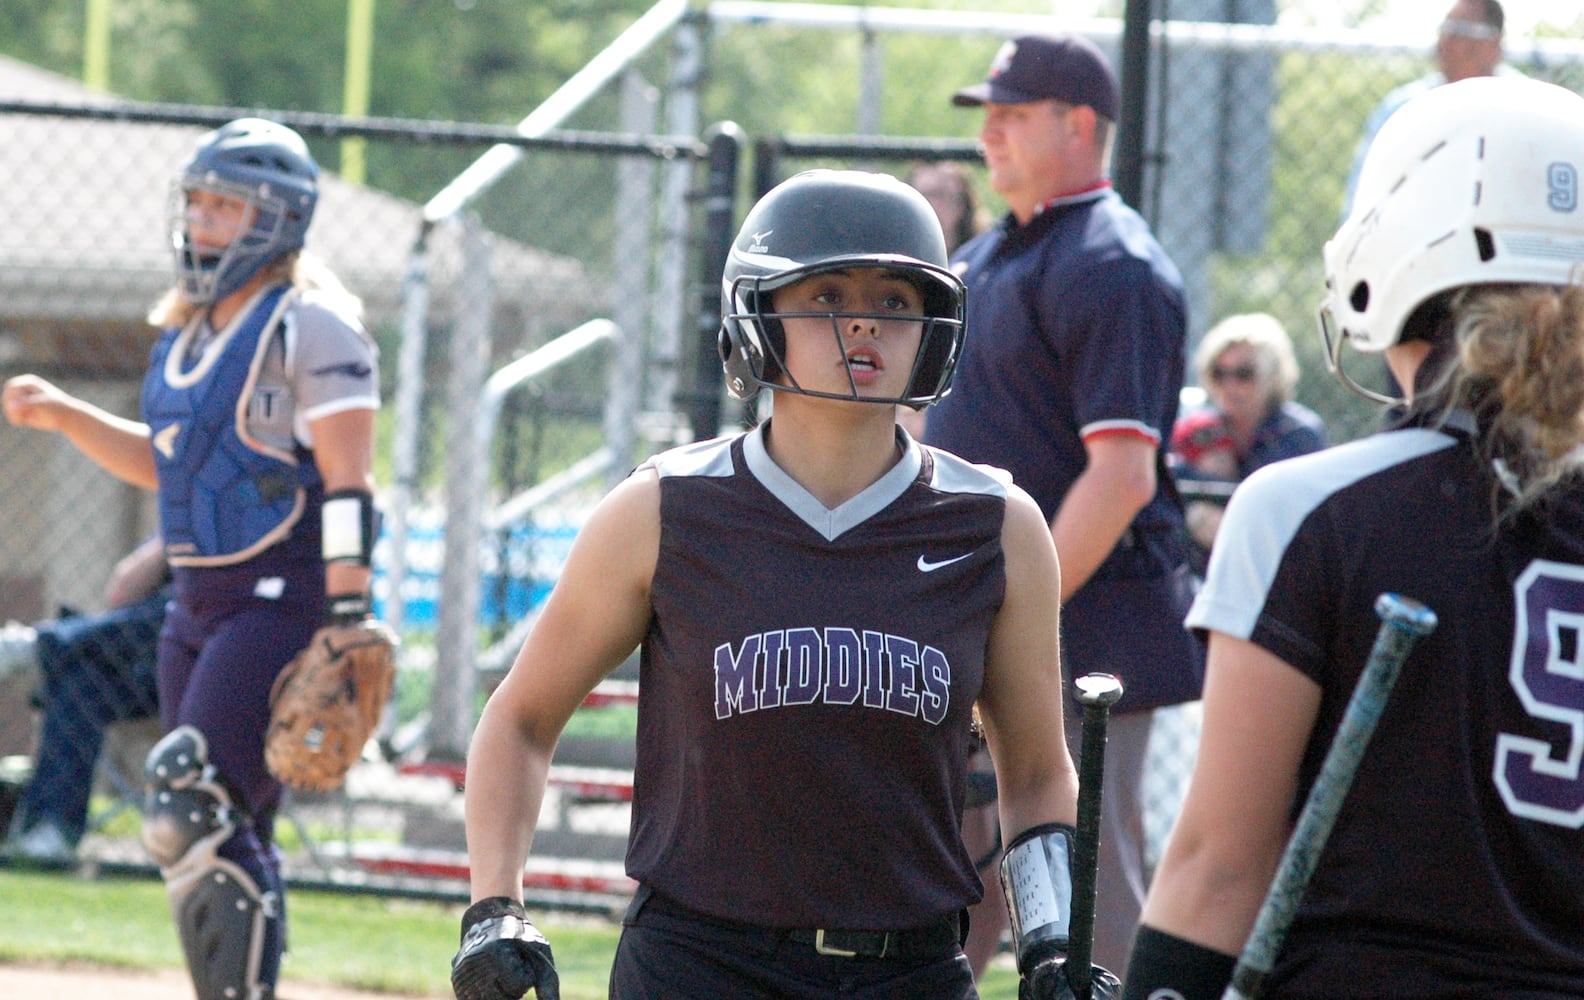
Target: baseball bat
1096 693
1403 622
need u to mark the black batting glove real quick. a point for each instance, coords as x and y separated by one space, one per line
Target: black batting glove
503 956
1046 979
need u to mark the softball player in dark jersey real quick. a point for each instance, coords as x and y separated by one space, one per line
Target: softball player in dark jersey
1454 868
819 602
257 433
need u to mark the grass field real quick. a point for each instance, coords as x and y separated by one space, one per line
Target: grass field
368 942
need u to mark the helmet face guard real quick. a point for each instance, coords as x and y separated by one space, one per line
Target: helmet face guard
206 274
827 220
268 168
759 337
1474 182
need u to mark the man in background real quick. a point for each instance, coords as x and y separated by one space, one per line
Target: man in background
1072 363
1468 44
94 670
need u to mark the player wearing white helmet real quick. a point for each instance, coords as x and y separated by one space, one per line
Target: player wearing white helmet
819 602
256 432
1453 866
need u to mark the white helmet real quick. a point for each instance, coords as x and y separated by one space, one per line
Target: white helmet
1469 183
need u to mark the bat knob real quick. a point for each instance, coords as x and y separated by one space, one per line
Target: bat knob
1101 690
1406 614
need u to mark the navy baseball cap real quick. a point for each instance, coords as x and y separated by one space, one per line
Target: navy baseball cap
1068 68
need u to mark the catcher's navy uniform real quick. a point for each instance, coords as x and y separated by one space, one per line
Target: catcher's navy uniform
1456 867
247 567
312 360
800 771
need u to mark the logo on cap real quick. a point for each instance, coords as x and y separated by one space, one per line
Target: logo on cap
1003 58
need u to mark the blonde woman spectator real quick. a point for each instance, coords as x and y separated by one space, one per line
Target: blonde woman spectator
1246 365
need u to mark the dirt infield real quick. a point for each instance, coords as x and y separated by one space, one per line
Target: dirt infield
43 982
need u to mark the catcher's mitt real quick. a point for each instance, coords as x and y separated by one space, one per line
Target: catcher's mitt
326 703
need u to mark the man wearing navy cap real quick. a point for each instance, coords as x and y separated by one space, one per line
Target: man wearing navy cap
1071 366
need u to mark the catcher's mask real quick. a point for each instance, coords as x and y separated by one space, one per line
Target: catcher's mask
830 220
266 166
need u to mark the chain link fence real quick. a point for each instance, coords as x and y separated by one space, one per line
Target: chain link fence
529 323
546 318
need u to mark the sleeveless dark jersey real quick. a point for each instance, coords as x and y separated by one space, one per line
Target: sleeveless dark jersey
1456 867
807 680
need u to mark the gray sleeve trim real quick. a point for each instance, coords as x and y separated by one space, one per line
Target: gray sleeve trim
1266 512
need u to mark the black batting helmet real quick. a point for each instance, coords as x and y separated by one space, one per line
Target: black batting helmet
827 220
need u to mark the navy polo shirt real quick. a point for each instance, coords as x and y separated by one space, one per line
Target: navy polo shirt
1077 327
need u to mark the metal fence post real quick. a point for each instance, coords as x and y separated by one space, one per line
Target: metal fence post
633 292
407 428
1128 171
467 487
671 266
725 141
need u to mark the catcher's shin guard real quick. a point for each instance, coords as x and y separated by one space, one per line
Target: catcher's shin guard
229 927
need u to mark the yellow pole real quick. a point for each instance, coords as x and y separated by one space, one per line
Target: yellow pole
96 45
360 48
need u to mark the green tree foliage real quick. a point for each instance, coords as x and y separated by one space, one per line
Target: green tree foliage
47 35
489 61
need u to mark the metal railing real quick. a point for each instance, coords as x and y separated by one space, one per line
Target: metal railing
469 511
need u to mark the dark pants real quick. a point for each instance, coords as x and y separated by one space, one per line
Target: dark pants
220 653
98 669
667 952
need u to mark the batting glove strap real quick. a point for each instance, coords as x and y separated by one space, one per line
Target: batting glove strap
347 609
1166 965
488 909
502 956
1036 879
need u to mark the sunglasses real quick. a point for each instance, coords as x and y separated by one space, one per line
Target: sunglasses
1239 373
1478 30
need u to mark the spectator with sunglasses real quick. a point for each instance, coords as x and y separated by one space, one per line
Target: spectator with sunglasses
1247 366
1468 44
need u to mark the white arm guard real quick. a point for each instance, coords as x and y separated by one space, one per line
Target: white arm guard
347 529
1036 878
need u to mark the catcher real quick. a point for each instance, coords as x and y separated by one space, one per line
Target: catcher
256 432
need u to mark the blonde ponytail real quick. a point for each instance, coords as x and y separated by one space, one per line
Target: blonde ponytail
1521 354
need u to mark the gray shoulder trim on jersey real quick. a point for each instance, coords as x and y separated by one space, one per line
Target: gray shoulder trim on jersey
711 457
346 306
1266 511
957 475
316 314
830 523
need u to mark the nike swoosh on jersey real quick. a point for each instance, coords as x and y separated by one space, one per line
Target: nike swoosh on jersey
925 565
